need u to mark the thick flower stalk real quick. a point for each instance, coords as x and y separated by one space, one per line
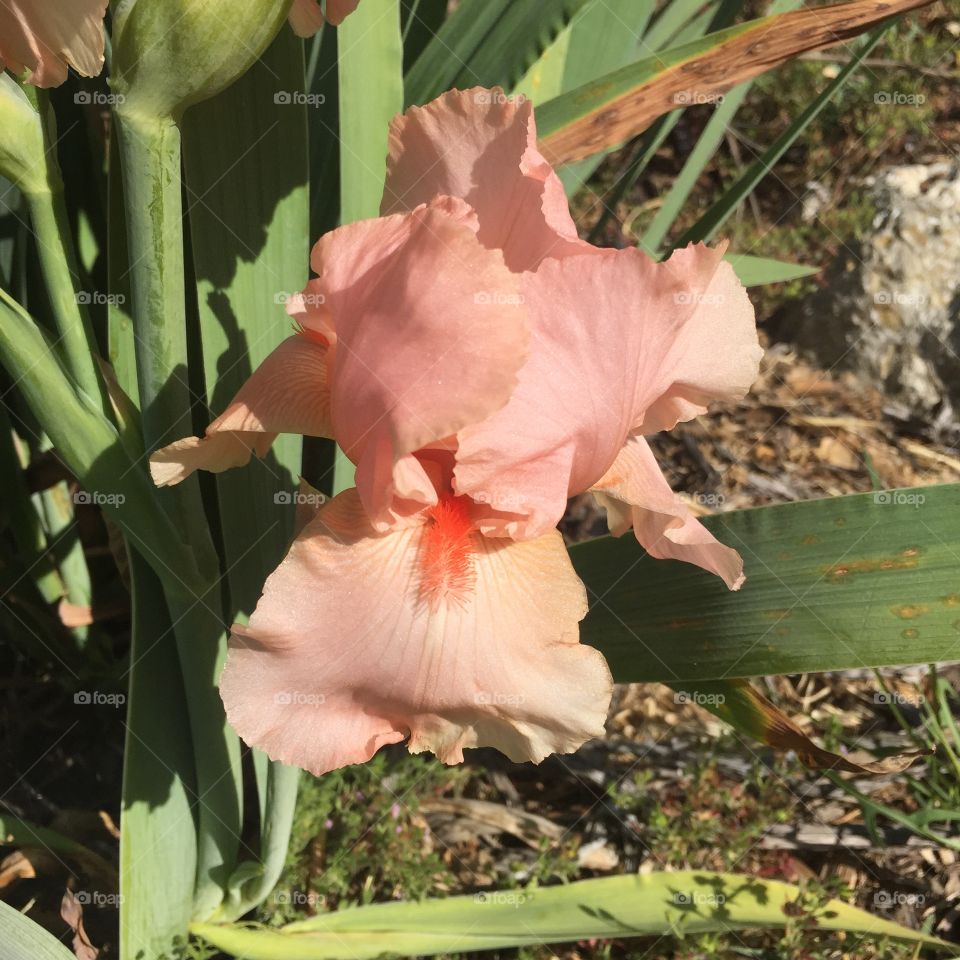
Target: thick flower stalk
479 364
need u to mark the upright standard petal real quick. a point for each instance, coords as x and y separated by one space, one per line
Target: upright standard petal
429 632
613 334
45 38
636 493
287 393
431 332
481 145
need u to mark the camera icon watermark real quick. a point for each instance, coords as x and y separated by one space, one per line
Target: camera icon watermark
897 699
709 500
698 898
510 501
96 498
298 98
900 298
96 898
700 698
898 498
300 498
691 297
96 698
889 899
493 699
282 298
98 98
508 898
896 98
298 698
94 298
692 98
498 298
299 898
484 97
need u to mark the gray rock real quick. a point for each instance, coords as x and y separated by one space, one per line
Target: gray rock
890 306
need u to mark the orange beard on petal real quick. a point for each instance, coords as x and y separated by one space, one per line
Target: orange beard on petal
446 557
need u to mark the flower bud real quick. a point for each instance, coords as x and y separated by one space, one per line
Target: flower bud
169 54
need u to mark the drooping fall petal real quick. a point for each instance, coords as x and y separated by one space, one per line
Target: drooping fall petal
431 332
45 38
307 18
613 335
287 393
429 631
481 146
635 492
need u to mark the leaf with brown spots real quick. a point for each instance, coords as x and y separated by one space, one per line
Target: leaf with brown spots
609 111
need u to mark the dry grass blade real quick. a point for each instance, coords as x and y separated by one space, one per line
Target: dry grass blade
747 710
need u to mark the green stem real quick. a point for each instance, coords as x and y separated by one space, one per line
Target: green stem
158 853
88 443
202 643
150 158
277 791
77 344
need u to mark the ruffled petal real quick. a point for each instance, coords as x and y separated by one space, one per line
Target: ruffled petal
481 145
287 393
576 400
613 334
634 491
428 632
431 331
715 354
307 18
45 38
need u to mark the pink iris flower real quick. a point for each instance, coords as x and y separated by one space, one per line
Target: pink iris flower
44 36
479 364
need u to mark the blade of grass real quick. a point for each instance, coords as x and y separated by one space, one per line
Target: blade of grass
58 261
19 515
706 228
371 73
671 19
707 144
61 530
486 43
120 346
714 17
757 271
602 36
